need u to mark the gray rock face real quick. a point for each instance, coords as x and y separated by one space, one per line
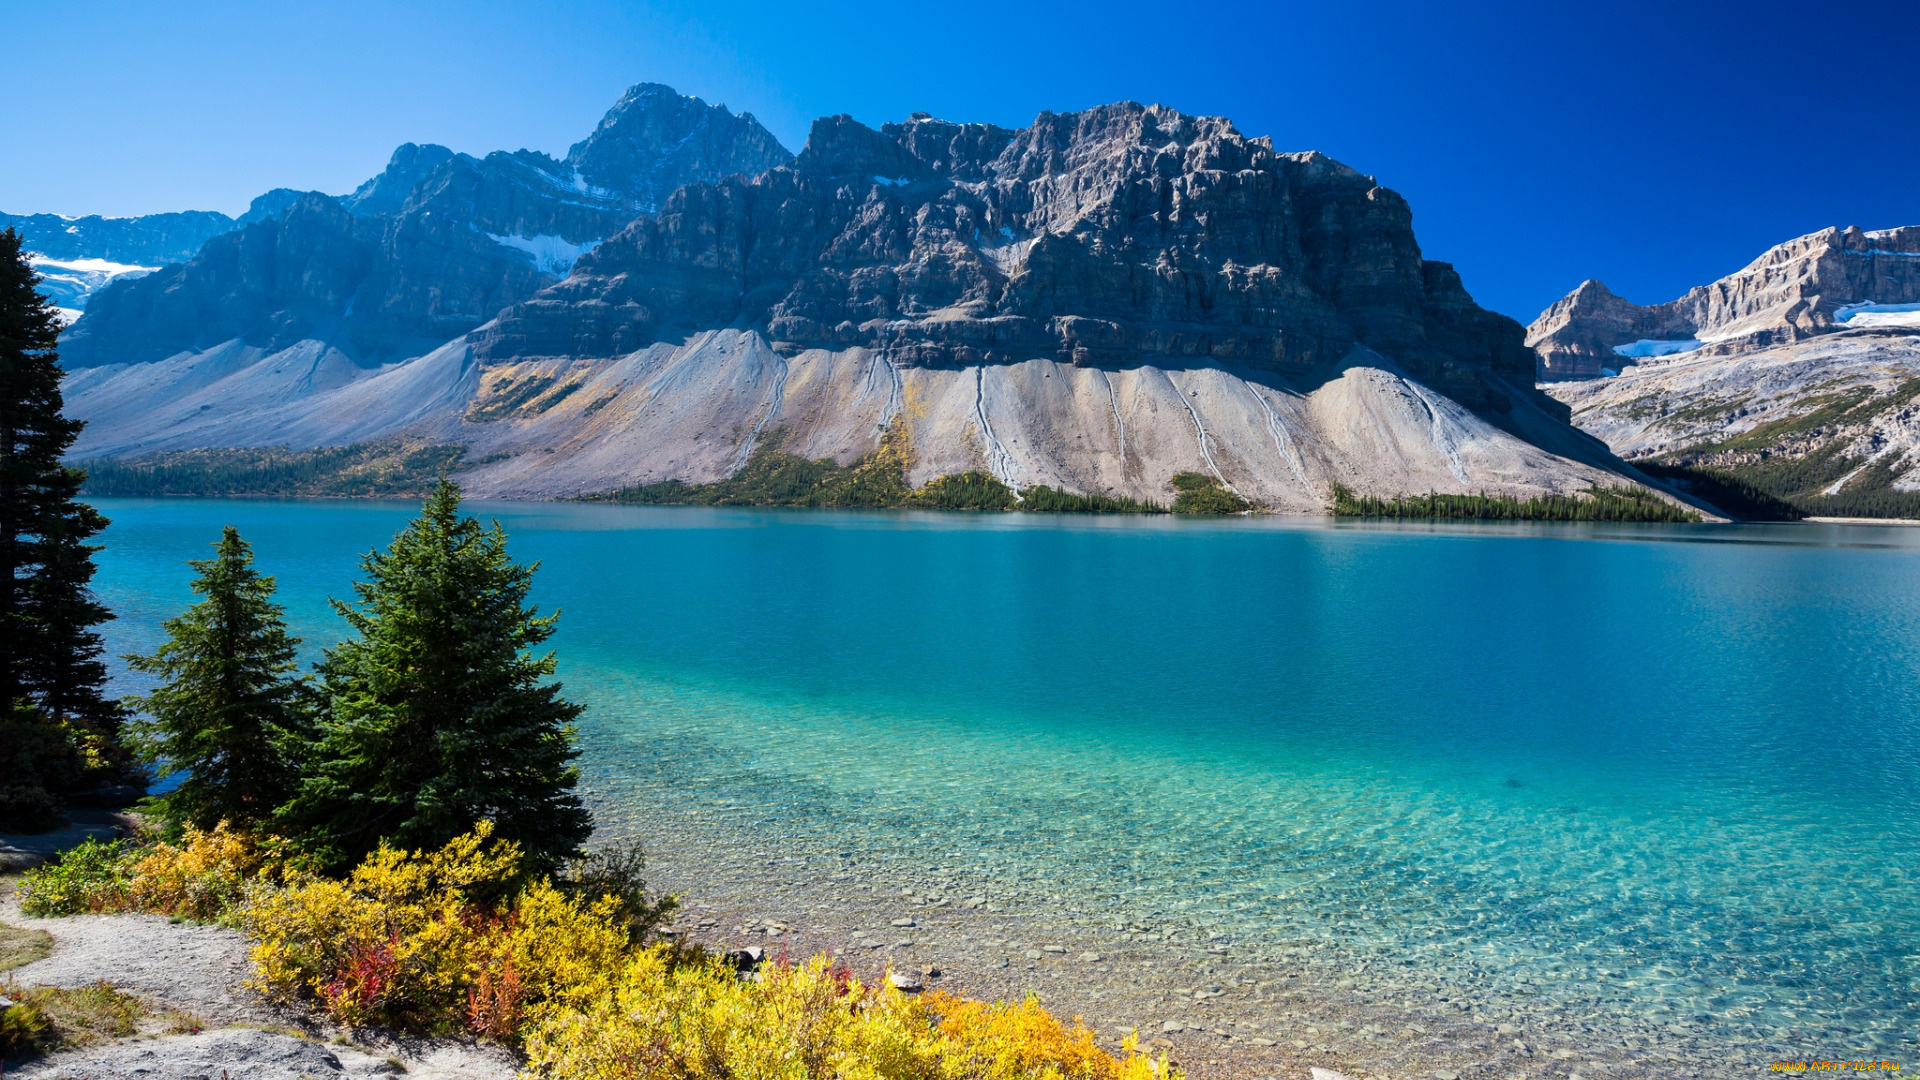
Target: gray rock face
387 193
1801 376
424 252
77 257
1747 410
1116 236
1795 291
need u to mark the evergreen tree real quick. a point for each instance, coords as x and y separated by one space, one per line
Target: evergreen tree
49 652
230 714
437 713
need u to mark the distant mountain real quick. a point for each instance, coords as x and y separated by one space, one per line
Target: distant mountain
1815 284
426 251
151 240
77 257
1095 302
1798 376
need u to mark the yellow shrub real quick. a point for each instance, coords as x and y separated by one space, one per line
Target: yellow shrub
399 941
1026 1042
202 879
700 1022
551 951
421 940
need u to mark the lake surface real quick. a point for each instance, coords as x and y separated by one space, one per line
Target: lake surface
1667 777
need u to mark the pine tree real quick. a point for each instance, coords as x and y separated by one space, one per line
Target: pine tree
437 712
49 652
230 714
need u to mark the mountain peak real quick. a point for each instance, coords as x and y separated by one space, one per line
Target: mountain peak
387 192
655 140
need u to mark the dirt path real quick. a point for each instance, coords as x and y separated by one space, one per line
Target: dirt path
201 970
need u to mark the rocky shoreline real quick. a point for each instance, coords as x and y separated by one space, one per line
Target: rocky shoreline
1220 1009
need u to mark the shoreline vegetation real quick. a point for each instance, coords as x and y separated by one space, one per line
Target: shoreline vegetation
569 969
1766 490
1770 490
1617 503
362 470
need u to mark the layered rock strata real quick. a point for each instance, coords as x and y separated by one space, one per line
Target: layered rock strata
1117 236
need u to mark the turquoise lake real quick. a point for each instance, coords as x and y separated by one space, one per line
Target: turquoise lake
1671 771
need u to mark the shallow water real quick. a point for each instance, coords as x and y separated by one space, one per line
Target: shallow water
1660 777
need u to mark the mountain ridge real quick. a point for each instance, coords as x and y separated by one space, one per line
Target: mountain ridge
1095 302
426 250
1793 291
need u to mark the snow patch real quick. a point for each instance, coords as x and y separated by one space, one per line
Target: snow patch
1879 314
552 254
90 266
1646 347
885 182
69 283
67 315
1010 258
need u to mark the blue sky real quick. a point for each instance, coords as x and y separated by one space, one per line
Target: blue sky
1654 146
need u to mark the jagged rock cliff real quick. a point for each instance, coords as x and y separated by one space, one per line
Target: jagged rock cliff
1112 237
427 250
1795 291
1095 302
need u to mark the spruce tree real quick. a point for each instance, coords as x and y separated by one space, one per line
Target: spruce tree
49 652
438 714
230 713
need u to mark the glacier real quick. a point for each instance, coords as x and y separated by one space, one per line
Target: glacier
1879 315
70 282
1647 347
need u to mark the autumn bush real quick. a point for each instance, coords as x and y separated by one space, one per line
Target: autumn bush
203 877
463 940
700 1021
436 941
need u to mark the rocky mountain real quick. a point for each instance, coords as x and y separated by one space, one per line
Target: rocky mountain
1815 284
77 257
1095 302
151 240
1104 237
424 252
1796 379
655 141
